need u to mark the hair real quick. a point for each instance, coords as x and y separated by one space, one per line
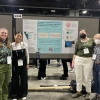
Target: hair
7 40
84 30
17 33
98 34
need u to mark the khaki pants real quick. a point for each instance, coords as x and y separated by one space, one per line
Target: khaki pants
83 71
5 74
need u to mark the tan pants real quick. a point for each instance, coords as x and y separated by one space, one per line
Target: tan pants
83 71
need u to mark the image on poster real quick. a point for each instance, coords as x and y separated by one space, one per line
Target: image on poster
69 36
49 36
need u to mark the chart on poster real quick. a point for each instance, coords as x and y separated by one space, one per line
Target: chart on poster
50 36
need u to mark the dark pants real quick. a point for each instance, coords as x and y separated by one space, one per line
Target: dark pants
96 73
65 68
19 82
42 68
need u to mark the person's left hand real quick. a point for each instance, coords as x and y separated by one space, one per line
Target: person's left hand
27 67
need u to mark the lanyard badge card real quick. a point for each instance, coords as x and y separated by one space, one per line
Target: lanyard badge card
94 56
20 62
86 51
9 60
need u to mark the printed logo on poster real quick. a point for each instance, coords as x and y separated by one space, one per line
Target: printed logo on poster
68 25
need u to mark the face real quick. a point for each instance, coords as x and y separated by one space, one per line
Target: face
97 39
3 34
18 37
82 34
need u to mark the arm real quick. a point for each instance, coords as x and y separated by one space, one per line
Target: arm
73 60
76 50
27 55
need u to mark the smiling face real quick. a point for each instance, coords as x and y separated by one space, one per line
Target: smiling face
3 34
18 37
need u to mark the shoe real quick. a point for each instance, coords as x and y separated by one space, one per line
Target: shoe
76 95
63 78
94 98
58 65
14 99
65 75
44 78
87 97
24 98
98 98
39 78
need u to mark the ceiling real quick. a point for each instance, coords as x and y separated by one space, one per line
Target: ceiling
59 7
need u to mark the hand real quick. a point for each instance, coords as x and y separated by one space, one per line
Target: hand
27 67
72 64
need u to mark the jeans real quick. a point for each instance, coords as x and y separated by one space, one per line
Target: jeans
96 71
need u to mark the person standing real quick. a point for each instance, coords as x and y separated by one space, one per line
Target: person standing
65 69
42 69
96 67
20 64
5 63
83 63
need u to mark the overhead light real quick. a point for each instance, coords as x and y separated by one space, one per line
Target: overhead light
52 10
84 12
21 9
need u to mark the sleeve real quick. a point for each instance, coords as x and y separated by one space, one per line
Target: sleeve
76 48
27 53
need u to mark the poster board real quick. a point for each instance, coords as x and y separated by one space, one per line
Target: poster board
50 36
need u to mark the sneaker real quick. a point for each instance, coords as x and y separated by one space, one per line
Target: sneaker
58 65
39 78
76 95
63 78
87 97
94 98
44 78
24 98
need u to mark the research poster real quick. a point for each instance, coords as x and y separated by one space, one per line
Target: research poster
50 36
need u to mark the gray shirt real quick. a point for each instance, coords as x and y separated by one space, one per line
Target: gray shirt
97 52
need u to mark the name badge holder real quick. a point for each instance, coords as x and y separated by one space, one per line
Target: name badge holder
86 51
9 60
94 56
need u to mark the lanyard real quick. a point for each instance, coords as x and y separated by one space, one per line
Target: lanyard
21 49
5 49
85 44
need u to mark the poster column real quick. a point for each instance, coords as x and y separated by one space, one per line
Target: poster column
49 36
69 36
30 34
